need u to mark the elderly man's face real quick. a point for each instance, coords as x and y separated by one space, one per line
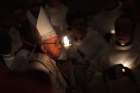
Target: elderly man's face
52 47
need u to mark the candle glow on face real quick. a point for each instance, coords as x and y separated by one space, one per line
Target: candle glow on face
125 58
125 63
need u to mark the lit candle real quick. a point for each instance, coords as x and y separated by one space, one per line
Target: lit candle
66 42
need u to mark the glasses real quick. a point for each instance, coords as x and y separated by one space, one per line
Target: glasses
57 43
